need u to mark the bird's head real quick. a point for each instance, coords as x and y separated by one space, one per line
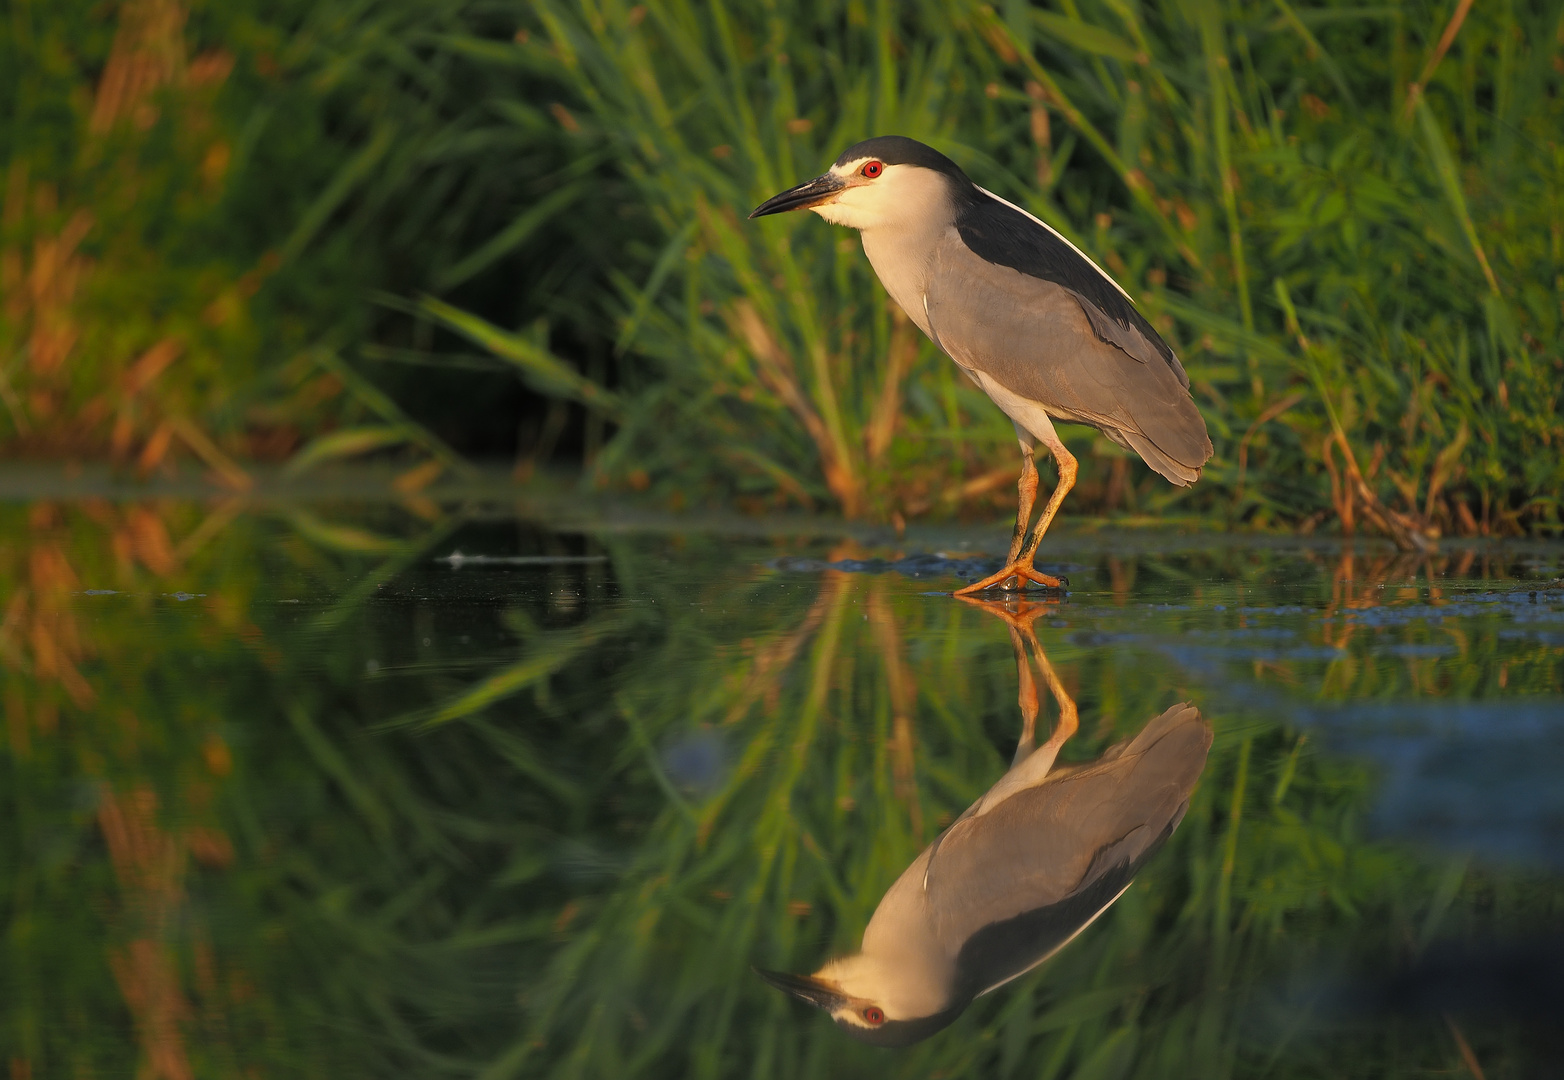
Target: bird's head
869 1003
890 181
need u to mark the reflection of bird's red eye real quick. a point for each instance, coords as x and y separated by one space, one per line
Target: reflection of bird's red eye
872 169
872 1014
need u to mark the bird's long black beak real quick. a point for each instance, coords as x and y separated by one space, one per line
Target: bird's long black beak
805 988
809 193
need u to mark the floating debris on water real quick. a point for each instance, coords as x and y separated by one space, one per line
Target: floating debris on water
456 560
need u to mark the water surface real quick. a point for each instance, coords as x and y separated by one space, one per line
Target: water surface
337 790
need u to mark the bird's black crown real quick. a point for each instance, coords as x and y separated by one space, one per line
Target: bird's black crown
900 150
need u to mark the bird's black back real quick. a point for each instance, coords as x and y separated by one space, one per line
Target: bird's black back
1002 950
1005 236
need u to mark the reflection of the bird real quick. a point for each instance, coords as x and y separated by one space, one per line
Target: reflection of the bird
1023 871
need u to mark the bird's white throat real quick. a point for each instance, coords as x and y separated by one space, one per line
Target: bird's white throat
907 984
901 215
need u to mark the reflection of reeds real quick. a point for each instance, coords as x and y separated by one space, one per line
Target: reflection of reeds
39 615
125 706
268 873
902 693
149 864
813 821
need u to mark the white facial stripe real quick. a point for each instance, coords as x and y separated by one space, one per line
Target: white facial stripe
851 168
1055 231
912 203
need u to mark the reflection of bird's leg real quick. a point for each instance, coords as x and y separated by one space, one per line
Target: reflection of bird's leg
1019 566
1029 766
1027 699
1020 617
1069 720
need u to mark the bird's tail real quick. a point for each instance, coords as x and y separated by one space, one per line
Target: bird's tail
1168 432
1182 722
1175 471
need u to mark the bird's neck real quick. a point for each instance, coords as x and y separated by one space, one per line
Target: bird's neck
901 258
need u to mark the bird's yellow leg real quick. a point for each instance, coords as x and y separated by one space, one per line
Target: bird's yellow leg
1020 567
1026 497
1068 469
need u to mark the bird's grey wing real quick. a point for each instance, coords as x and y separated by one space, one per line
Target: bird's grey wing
1026 773
1130 339
1003 233
1016 883
1040 341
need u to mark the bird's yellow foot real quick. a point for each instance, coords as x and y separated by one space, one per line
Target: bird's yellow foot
1020 572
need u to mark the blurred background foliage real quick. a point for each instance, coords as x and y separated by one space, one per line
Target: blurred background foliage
453 232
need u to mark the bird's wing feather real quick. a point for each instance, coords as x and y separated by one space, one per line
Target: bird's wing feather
1002 233
1036 339
1055 854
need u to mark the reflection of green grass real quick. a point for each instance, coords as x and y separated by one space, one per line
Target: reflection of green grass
525 889
787 859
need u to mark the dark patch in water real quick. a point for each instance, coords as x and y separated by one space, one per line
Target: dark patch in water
924 565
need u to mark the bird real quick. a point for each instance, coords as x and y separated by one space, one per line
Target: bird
1016 877
1036 324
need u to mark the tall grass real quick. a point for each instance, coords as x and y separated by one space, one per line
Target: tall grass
198 202
249 232
1347 220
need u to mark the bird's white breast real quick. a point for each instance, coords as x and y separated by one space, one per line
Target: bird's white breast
902 259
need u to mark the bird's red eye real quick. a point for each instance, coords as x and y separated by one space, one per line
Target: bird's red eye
872 169
873 1014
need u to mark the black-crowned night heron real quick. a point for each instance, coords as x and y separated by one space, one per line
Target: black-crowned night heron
1036 324
1026 868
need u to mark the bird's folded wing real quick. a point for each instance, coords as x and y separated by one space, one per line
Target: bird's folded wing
1043 845
1038 340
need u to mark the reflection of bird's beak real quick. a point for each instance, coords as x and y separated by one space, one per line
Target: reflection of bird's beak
809 193
805 988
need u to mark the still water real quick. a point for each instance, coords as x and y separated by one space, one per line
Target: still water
364 791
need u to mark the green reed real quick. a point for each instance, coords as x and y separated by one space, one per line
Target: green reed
1348 221
1362 272
198 201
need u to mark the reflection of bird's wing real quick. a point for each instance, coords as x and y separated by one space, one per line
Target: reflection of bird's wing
1015 883
1026 773
1054 347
